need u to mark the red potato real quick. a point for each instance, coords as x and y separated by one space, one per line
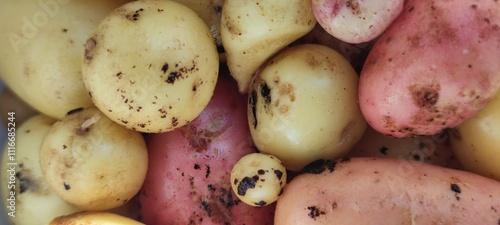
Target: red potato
188 180
433 68
356 21
390 192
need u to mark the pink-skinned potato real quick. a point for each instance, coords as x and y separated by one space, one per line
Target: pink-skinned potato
387 191
435 66
356 21
188 180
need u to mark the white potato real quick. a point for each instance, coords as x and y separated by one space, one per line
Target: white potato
30 200
92 162
93 218
303 106
40 58
151 66
253 31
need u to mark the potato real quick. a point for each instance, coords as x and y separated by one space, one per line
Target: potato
388 191
93 218
253 31
303 106
151 66
91 162
435 149
210 12
476 141
28 199
433 68
356 21
40 58
258 179
188 180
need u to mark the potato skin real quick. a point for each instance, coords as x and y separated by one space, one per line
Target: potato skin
433 68
188 180
388 191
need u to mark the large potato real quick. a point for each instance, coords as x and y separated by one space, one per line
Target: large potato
93 218
433 68
151 66
366 191
253 31
476 141
40 58
303 106
188 180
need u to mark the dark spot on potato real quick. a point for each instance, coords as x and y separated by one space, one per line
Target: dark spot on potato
314 212
383 150
196 166
25 182
265 92
260 203
354 6
175 121
66 186
279 174
65 146
247 183
319 166
172 76
252 102
473 6
90 46
207 208
207 171
261 172
425 96
134 16
455 188
164 68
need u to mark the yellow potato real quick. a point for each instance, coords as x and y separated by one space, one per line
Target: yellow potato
92 162
41 55
30 200
476 141
151 66
93 218
303 106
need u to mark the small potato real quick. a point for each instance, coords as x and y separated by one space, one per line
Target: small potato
93 218
435 149
356 21
92 162
434 67
386 191
151 66
253 31
29 198
303 106
258 179
476 141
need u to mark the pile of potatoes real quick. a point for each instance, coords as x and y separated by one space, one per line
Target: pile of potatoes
251 112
